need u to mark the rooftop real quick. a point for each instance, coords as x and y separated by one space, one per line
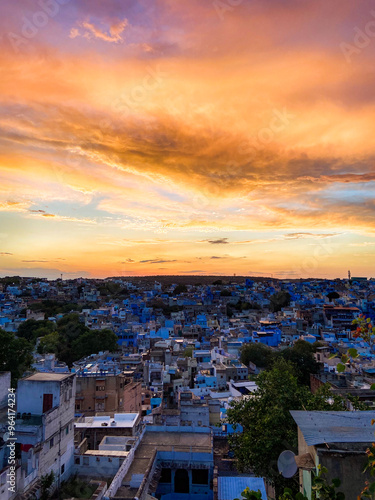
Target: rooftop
232 487
107 453
320 427
125 420
48 377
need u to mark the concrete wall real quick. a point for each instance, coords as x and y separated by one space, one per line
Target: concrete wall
97 466
30 395
56 430
346 466
107 394
4 386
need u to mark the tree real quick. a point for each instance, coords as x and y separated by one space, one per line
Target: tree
279 300
32 329
49 343
94 341
248 494
259 354
333 295
302 357
73 340
180 289
46 483
15 355
188 353
268 427
320 489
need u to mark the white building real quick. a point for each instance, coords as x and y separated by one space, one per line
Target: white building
45 427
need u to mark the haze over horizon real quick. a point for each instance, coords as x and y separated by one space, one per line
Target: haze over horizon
157 137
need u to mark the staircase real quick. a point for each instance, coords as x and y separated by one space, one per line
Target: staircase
30 493
155 479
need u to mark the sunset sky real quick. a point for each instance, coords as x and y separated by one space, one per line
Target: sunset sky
187 137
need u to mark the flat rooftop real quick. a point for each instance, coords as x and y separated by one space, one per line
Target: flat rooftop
49 377
162 441
180 441
122 420
107 453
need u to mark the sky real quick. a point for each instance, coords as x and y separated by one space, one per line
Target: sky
214 137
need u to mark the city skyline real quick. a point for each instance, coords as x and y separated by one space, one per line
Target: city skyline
160 137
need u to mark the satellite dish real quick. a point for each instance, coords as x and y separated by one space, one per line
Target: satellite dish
286 464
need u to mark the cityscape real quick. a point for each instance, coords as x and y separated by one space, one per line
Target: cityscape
136 388
187 248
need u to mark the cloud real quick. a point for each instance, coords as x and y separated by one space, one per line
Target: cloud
297 236
5 253
136 145
363 244
193 271
156 261
39 261
219 241
89 31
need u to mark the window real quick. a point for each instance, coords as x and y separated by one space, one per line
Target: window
200 476
62 468
86 461
47 402
166 476
51 443
67 430
77 461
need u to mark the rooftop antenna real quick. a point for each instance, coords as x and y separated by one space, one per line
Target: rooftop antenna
61 276
286 464
349 275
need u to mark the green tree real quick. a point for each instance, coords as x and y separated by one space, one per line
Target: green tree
180 289
268 427
46 483
259 354
333 295
302 357
94 341
279 300
248 494
32 329
73 340
320 489
15 355
49 343
188 353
